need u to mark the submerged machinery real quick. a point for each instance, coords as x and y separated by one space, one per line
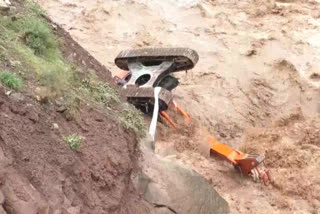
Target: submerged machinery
145 69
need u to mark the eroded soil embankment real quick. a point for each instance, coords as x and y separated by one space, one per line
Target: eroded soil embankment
39 173
95 179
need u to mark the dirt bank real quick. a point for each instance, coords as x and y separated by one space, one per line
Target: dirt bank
95 179
39 172
259 63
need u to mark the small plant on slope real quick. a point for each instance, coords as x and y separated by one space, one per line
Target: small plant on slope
132 119
35 8
10 80
73 141
100 92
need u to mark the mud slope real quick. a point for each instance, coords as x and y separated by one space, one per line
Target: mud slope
39 173
259 65
93 180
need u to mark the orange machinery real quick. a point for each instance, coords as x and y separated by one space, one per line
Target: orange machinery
152 68
246 164
174 105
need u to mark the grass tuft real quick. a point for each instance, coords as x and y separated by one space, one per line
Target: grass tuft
73 141
73 105
10 80
31 39
132 119
35 8
101 93
36 34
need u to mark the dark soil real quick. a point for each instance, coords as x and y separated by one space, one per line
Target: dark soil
95 179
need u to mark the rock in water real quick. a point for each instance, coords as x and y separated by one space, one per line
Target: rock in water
171 186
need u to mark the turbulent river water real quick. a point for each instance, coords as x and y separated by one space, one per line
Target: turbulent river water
259 67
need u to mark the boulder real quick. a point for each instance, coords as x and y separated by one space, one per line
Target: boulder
174 188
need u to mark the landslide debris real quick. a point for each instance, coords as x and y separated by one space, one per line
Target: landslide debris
68 143
259 62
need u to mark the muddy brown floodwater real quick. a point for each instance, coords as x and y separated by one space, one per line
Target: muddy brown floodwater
256 86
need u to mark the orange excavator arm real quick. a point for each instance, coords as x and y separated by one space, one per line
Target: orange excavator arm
225 151
174 105
181 111
248 164
166 116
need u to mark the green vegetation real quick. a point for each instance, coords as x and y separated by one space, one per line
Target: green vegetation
132 119
31 49
100 92
34 32
30 39
10 80
73 141
38 37
35 8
